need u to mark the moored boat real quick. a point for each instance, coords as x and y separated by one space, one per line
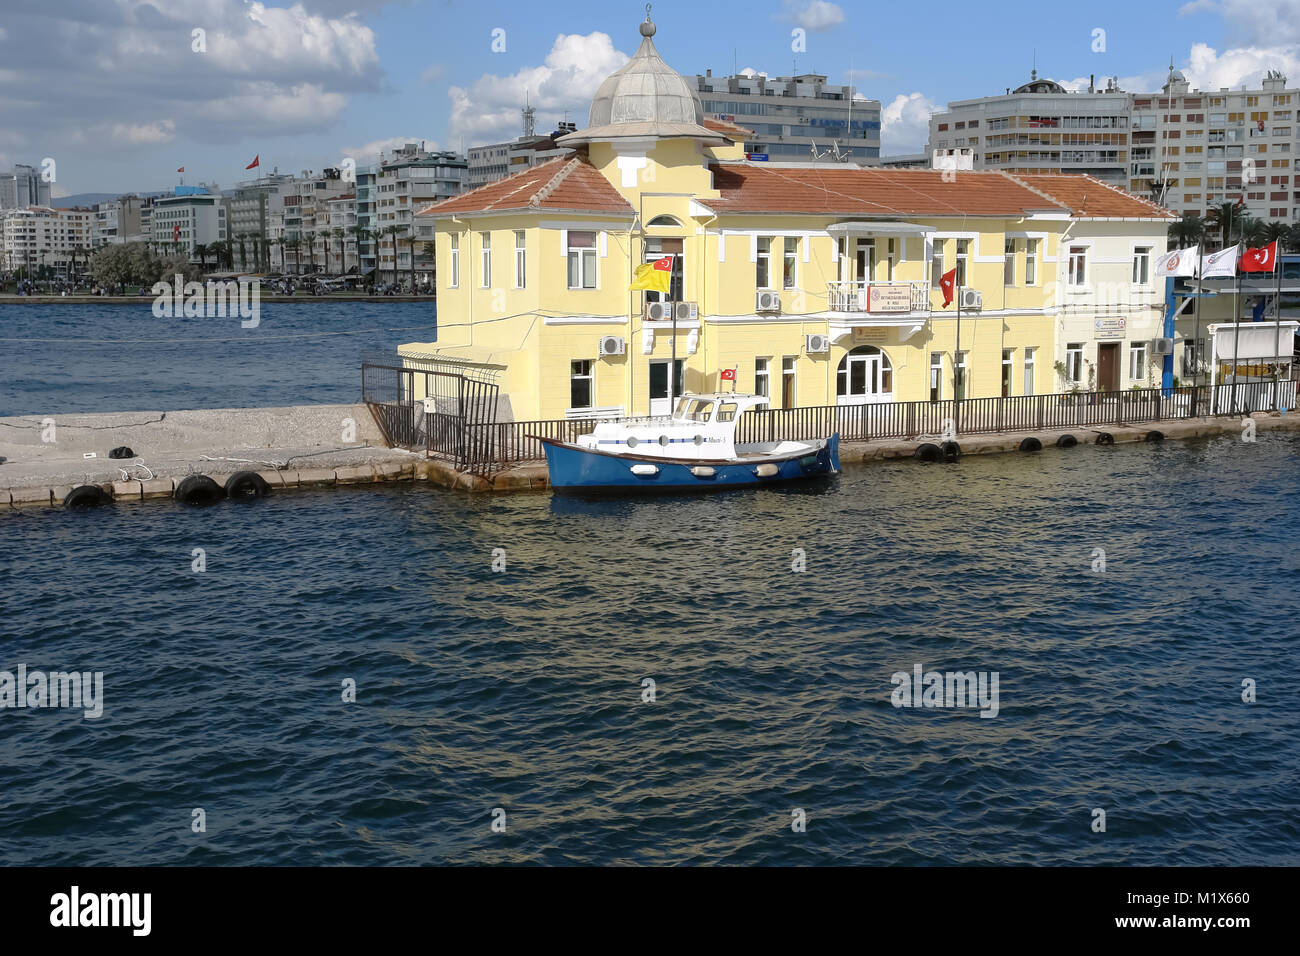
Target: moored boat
694 448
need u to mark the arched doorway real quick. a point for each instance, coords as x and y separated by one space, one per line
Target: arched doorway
865 376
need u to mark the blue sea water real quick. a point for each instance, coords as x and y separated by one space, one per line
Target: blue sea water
57 359
522 690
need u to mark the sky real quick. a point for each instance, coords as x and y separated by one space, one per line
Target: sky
120 93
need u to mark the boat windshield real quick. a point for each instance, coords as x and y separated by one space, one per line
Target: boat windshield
699 411
727 412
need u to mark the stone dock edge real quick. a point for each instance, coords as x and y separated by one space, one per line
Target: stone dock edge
532 476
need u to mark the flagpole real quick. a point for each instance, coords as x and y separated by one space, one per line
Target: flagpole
672 365
959 372
1196 312
1277 330
1236 324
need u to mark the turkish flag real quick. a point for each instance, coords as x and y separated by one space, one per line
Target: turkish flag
181 169
1263 259
947 282
1241 201
176 233
255 162
728 375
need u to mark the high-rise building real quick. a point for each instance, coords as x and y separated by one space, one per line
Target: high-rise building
23 186
38 236
1041 127
789 115
117 221
410 179
189 217
1183 148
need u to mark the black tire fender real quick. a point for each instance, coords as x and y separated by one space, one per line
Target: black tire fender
1105 438
1030 444
247 484
927 452
950 450
199 490
87 496
1066 441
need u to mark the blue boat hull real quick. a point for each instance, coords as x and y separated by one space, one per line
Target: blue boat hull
580 468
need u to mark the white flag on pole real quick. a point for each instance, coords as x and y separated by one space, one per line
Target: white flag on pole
1180 262
1221 264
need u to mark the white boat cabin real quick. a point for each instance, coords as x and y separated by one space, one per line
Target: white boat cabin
702 426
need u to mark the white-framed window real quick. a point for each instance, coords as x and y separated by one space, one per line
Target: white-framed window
1009 262
521 260
842 259
1078 266
581 383
581 254
1137 361
1141 265
936 376
485 239
1031 261
762 377
936 263
1074 362
891 258
790 270
762 264
787 382
1029 371
963 254
1008 361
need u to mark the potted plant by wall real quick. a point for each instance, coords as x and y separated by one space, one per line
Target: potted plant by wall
1068 385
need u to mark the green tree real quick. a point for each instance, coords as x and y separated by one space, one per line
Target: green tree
1187 231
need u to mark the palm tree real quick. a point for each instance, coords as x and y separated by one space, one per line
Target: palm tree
1252 231
1188 231
339 233
201 250
393 232
410 246
1224 217
360 234
292 245
311 249
1292 239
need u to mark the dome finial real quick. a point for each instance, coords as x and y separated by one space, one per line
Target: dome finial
647 28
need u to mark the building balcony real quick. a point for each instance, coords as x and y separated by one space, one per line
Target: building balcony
898 297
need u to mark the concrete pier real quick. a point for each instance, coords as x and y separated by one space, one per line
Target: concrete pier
42 458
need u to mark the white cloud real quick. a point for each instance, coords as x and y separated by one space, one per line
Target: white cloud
433 73
750 72
816 16
905 124
369 153
143 134
1208 69
1263 24
488 110
1198 6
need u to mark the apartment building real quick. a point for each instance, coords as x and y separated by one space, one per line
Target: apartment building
23 187
788 115
1185 149
410 179
190 216
39 236
118 220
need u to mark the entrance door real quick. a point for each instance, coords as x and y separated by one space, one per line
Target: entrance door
661 401
1108 367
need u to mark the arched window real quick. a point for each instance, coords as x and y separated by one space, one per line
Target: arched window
865 375
665 221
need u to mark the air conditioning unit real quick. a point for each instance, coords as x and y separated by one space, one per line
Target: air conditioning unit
816 344
1162 346
686 311
658 311
971 299
611 345
767 302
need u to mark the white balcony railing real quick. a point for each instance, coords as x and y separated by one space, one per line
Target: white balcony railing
879 298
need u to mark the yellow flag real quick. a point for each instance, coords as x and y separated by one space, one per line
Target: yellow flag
654 276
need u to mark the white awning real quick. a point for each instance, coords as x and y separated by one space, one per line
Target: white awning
1256 341
879 229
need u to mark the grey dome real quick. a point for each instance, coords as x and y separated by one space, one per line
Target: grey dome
645 100
645 90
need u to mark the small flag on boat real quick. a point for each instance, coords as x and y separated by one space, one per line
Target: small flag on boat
654 276
728 375
255 163
947 282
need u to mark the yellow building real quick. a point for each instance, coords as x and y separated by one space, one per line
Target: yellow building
819 283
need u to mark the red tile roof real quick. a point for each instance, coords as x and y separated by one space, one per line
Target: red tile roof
565 182
727 128
852 190
1090 198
